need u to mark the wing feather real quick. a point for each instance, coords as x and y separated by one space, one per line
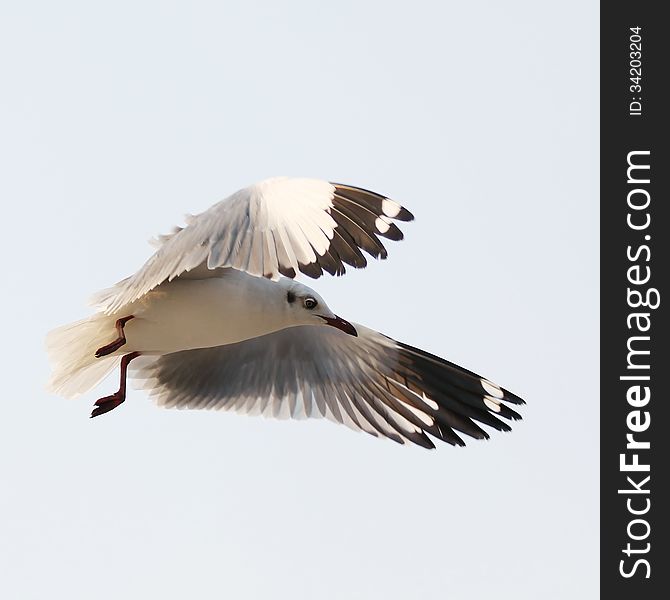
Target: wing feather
370 383
278 226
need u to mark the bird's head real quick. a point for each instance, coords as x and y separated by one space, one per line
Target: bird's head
306 307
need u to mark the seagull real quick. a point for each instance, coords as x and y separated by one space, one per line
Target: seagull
215 319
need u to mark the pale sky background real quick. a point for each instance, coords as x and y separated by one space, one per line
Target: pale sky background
481 117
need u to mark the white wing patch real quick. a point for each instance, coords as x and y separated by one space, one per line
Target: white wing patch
492 389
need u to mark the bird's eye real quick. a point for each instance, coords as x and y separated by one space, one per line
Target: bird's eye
310 303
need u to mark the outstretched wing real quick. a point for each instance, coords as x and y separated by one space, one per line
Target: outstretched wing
280 225
370 383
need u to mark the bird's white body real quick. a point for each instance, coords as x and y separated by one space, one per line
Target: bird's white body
200 313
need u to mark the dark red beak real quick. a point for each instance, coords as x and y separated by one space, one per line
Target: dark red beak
341 324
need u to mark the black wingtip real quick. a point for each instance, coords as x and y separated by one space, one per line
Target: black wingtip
513 398
404 214
464 397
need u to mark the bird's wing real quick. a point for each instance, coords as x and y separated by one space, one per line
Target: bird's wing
280 225
370 382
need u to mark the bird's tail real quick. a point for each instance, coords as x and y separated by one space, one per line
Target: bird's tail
71 349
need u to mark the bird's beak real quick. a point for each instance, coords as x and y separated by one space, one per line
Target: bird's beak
341 324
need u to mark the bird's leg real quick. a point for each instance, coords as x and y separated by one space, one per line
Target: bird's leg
111 402
118 342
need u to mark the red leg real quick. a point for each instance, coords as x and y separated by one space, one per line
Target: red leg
118 342
111 402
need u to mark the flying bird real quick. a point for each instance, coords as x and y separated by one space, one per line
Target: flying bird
216 320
